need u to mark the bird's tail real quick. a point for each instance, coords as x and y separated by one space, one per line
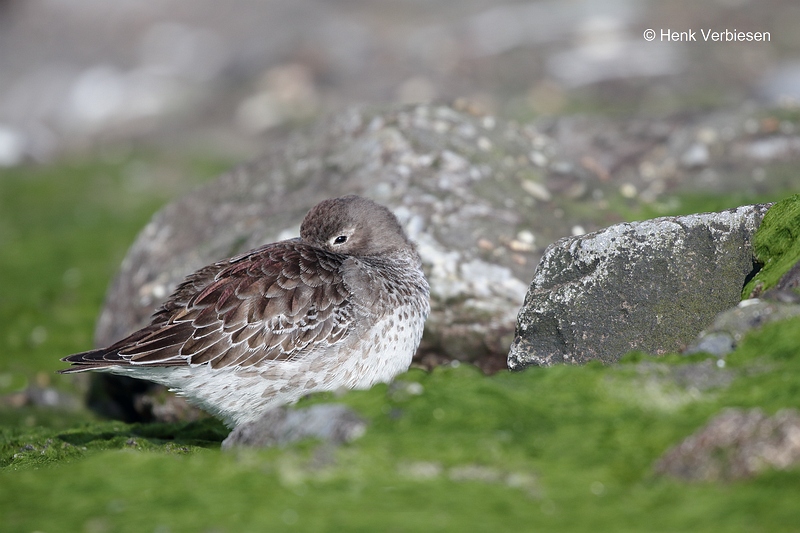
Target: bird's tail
92 360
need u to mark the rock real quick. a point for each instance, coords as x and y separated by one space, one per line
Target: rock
701 377
648 286
37 396
715 343
160 405
787 290
736 444
655 385
696 156
331 423
730 326
777 284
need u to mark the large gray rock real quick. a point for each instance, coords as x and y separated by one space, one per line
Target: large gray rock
649 286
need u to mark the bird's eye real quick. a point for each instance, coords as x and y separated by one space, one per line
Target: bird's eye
341 239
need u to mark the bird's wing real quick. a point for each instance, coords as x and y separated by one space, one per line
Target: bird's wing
275 303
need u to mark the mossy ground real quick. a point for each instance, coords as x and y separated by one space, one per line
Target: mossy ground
557 449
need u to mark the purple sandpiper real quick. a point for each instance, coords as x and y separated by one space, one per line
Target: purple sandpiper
342 306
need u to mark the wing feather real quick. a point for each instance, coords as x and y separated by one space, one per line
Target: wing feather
276 303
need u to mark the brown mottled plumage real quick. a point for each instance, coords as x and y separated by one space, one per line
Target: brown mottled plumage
342 306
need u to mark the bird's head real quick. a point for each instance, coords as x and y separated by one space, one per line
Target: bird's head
352 225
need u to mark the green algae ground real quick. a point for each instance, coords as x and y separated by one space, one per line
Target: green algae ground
556 449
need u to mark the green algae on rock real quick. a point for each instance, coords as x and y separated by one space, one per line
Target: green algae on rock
776 245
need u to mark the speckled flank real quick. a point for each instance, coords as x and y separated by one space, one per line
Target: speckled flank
384 351
239 395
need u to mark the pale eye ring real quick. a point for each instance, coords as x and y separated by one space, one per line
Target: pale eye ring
341 239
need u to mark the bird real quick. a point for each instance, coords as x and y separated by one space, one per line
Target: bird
343 306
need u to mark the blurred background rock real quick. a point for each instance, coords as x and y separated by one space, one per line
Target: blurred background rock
217 77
